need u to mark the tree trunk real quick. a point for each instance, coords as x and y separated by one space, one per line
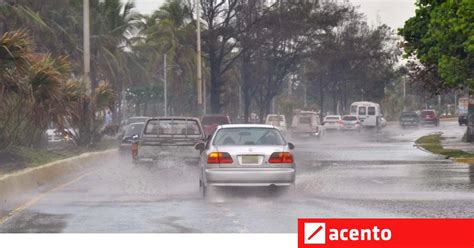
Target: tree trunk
246 82
216 85
321 99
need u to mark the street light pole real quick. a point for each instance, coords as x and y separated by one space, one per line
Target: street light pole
87 49
165 93
198 55
204 95
87 67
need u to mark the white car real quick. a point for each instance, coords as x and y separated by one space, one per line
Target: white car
351 122
276 121
246 155
332 122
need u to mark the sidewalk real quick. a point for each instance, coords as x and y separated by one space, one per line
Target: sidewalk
453 140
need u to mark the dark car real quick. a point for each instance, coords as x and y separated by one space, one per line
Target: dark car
462 119
211 122
429 116
133 129
409 118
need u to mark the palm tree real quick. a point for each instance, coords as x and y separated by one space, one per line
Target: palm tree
170 31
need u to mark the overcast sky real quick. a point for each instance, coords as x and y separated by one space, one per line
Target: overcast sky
391 12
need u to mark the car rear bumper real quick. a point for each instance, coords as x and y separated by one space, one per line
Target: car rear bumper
409 123
125 147
250 176
429 121
350 128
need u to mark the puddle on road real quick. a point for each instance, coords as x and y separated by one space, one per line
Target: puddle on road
34 222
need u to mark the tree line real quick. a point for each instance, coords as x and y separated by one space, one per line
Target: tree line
260 53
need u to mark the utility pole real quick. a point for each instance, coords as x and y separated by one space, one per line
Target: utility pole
404 92
198 55
305 97
165 88
240 101
87 66
204 95
87 49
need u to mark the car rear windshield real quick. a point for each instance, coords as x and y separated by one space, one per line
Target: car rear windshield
409 114
361 110
349 118
332 118
248 136
134 129
354 109
215 120
371 110
275 118
173 127
426 113
305 120
132 120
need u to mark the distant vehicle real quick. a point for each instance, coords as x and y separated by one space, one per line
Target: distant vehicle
133 130
369 113
351 122
409 118
131 120
246 155
276 121
462 119
463 104
168 137
211 122
332 122
55 135
306 123
429 116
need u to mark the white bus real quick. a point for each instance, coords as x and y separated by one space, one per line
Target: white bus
369 113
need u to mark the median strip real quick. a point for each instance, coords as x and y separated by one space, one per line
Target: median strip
432 143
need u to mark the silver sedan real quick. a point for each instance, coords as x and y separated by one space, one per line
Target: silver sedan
246 155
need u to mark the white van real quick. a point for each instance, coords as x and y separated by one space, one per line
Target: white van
277 121
369 113
306 123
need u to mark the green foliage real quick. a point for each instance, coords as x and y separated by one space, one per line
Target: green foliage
441 36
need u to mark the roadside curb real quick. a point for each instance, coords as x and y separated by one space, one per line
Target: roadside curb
23 180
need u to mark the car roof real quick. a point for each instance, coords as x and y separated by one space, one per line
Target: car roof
173 118
350 116
246 126
132 117
215 115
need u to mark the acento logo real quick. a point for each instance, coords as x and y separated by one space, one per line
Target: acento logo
315 233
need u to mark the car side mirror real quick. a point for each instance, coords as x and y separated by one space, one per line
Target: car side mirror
200 146
291 146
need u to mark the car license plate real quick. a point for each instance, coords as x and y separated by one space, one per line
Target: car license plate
250 159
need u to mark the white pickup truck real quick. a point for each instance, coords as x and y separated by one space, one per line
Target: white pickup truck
168 138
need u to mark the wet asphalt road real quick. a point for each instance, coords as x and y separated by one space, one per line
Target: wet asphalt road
371 174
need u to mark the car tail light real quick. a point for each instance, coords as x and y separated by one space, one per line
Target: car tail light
358 122
281 158
219 158
134 150
339 122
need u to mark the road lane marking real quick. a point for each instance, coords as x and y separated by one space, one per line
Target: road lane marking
39 197
377 181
